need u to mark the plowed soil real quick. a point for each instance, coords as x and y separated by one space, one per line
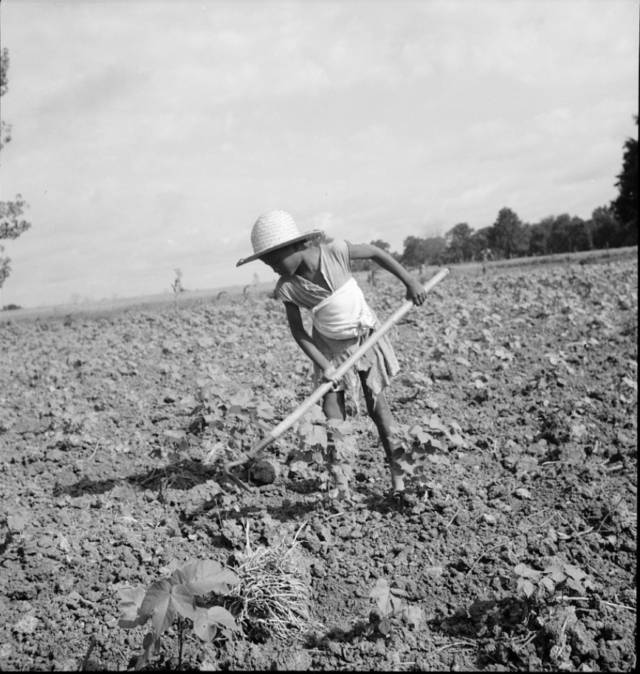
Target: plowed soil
101 488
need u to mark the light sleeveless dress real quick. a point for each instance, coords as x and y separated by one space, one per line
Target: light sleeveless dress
380 362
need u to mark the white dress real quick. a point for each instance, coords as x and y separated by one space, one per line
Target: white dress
379 362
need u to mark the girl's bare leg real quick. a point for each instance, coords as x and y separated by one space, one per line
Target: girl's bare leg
333 407
380 413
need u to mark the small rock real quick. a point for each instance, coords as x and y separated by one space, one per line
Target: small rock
344 531
264 472
299 661
323 533
318 570
434 571
26 625
461 518
582 643
335 647
380 648
401 557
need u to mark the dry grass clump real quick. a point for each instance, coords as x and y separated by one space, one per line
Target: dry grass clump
273 596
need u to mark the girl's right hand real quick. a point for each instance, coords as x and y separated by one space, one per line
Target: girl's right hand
329 374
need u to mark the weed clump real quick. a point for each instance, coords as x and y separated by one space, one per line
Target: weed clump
273 595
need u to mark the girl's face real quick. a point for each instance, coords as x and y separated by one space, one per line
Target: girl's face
284 261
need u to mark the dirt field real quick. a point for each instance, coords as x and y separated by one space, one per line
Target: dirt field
516 552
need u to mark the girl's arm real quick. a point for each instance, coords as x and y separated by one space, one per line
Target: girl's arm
305 342
367 251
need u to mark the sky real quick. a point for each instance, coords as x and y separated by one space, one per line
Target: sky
148 136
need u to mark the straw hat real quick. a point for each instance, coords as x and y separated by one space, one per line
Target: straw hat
272 230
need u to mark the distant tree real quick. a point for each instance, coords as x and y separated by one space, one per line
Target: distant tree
580 233
459 243
539 234
625 206
568 234
434 247
605 229
419 251
480 242
382 244
5 129
414 253
11 222
509 234
560 236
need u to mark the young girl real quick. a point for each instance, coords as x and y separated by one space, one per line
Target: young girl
319 279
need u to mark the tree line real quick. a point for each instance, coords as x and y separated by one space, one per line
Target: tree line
509 237
613 225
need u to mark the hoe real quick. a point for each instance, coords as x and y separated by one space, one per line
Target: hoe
250 460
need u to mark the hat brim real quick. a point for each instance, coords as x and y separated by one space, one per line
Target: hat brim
303 237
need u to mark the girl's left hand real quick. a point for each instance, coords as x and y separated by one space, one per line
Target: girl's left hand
416 293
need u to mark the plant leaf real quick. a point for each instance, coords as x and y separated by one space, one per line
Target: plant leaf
549 584
341 428
241 398
555 573
207 622
316 435
203 628
396 603
457 439
575 572
413 615
528 587
422 436
211 576
314 414
163 600
223 618
526 572
202 577
382 594
130 603
575 585
385 626
434 423
150 644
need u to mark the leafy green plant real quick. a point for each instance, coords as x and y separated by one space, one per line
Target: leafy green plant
182 597
557 576
177 287
331 444
327 444
240 415
389 605
205 408
416 446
